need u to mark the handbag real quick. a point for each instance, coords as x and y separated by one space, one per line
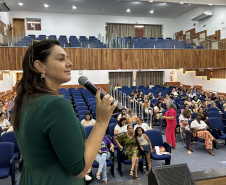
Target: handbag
124 154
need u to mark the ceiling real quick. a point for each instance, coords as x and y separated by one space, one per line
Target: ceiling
107 7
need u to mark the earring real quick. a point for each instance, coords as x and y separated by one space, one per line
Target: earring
43 76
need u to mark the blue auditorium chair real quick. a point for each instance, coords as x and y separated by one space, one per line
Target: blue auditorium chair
199 47
10 137
53 37
7 161
218 124
213 109
88 130
155 136
215 114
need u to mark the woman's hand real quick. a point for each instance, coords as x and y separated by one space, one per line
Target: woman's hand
163 117
99 152
104 108
120 146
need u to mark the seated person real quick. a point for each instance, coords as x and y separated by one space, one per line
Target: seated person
200 131
159 96
141 124
150 96
129 142
203 105
209 101
166 99
158 110
141 96
123 114
196 100
214 97
186 106
151 85
131 118
204 116
119 128
174 92
102 156
188 101
117 86
137 92
146 106
181 95
4 110
145 145
4 123
183 121
195 108
195 91
88 121
203 95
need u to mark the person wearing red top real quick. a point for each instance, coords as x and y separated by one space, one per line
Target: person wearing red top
171 121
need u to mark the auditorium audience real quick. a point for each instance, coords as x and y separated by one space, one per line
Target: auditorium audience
214 97
204 116
146 106
4 109
195 91
129 142
123 114
151 85
174 92
158 110
150 96
117 86
203 105
188 101
141 124
170 117
131 118
159 96
184 117
88 121
209 101
121 126
102 156
4 123
145 146
137 92
195 108
167 98
203 95
181 95
200 131
196 100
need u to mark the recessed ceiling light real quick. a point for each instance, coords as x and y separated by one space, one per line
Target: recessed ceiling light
181 2
46 5
128 10
74 7
21 4
152 11
151 1
210 4
164 3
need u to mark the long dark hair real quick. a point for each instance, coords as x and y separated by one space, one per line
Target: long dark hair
121 120
31 83
136 131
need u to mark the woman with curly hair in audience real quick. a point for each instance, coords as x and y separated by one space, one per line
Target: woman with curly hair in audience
188 101
203 105
204 116
123 114
196 100
170 117
129 142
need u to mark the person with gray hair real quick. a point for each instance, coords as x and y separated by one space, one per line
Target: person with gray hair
171 121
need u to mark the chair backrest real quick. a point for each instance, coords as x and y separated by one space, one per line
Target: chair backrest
111 128
216 123
134 124
155 137
6 154
193 115
214 114
10 137
163 112
88 130
213 109
113 120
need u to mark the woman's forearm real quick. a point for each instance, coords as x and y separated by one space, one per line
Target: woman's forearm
92 146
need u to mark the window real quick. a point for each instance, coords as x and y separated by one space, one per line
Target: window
33 24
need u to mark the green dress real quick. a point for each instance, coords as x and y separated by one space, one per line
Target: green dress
128 144
51 141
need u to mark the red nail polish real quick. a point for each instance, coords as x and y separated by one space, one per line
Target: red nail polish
98 88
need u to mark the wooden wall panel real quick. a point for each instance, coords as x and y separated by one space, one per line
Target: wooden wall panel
105 87
111 59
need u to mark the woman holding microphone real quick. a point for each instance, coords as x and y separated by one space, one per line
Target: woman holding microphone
50 137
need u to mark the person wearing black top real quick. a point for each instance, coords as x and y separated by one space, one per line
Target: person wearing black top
159 96
204 116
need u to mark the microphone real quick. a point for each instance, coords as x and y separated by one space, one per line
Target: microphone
83 80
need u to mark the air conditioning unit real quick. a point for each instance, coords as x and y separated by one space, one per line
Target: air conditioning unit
202 16
4 7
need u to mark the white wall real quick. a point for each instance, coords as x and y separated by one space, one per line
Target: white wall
87 25
213 23
5 17
7 82
189 78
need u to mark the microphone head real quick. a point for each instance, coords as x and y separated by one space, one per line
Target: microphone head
82 80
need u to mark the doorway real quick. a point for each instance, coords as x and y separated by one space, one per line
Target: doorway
18 26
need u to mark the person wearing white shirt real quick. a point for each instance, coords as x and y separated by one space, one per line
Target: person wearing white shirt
174 92
201 131
4 123
141 124
151 85
121 126
88 121
123 114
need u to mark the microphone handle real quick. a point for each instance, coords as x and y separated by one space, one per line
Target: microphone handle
93 89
